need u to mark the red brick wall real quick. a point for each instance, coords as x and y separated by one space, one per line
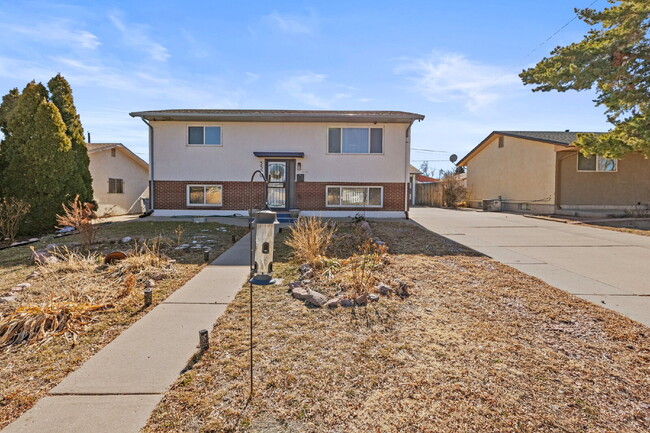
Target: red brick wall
236 195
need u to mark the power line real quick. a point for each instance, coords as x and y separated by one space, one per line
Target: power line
428 150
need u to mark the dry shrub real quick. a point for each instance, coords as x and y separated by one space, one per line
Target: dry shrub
455 191
42 322
145 262
69 261
12 211
358 274
309 239
82 217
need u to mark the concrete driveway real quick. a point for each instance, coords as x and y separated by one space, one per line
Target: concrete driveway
608 268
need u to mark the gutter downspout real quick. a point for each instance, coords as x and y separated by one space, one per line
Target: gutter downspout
407 161
151 177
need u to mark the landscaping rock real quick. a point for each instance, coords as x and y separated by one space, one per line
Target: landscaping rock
34 240
34 274
304 268
346 303
158 277
296 284
361 300
366 226
20 287
373 298
402 289
7 299
300 293
384 289
332 303
126 239
315 298
149 284
307 275
50 247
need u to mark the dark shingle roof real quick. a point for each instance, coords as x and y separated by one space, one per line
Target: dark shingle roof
561 138
555 137
279 115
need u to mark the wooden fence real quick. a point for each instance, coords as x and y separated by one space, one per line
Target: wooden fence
429 194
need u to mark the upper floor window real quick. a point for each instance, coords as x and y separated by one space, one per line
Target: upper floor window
596 163
208 135
355 140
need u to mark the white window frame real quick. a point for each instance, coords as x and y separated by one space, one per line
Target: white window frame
187 195
597 165
381 188
327 139
187 135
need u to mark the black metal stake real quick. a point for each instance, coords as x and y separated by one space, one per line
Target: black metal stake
148 297
204 340
251 271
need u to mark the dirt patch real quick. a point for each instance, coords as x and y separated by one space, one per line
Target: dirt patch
477 347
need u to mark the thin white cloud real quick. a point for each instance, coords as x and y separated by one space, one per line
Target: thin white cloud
136 36
54 32
451 77
292 24
307 87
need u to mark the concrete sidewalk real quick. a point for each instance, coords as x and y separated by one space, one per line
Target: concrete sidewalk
608 268
117 389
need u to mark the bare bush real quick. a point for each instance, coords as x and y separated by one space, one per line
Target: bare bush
12 211
309 239
82 217
454 189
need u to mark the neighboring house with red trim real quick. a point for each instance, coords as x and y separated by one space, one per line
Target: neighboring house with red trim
120 178
326 163
542 172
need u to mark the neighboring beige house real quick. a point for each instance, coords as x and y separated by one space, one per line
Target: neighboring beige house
120 178
325 163
542 172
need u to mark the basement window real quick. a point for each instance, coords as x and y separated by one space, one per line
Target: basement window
204 195
597 163
355 196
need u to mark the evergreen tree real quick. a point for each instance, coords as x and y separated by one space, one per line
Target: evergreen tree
8 103
79 181
614 58
36 151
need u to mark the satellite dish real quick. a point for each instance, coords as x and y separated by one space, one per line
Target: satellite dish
453 157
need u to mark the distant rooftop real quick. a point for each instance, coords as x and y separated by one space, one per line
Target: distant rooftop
560 138
555 137
280 115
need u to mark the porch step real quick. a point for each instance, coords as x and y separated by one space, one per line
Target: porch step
285 217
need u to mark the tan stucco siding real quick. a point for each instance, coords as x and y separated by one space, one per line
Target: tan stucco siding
136 180
520 171
629 185
175 160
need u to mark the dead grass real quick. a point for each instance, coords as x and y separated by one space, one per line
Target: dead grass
77 305
477 347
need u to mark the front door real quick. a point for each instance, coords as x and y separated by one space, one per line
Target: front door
278 174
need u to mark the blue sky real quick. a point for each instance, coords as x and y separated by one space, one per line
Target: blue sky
456 62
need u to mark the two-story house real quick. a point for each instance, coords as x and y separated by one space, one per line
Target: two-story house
326 163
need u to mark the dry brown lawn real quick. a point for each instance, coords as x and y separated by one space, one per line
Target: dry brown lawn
478 347
30 369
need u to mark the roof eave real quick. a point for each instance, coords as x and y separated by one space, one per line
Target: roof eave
279 117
